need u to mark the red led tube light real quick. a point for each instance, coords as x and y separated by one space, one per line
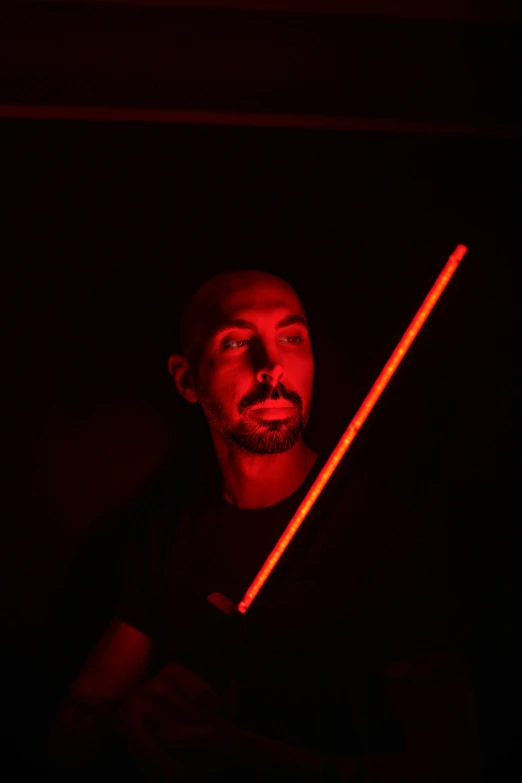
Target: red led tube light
355 425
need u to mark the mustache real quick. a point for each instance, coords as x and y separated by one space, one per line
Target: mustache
265 392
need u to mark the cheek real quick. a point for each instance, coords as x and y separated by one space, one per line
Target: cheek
236 377
225 387
302 372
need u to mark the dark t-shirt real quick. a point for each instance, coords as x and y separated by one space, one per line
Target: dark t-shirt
363 583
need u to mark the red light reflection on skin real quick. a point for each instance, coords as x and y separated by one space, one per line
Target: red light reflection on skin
251 369
354 427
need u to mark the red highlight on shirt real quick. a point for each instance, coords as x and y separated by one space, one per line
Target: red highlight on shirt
355 425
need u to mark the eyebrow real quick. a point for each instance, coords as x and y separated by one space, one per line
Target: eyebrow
240 323
292 319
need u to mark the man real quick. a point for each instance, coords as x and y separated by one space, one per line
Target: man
344 664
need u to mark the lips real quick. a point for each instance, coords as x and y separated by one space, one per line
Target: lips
273 412
271 404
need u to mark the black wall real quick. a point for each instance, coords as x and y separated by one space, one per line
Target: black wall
108 227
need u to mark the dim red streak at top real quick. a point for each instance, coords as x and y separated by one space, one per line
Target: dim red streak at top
248 119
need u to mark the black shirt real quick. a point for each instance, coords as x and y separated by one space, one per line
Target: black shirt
363 583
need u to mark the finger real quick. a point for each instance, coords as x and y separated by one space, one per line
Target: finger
195 750
176 736
147 752
175 706
188 683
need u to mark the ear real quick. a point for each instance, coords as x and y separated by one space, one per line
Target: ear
179 368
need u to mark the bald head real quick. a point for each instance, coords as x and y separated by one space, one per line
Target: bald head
222 297
245 340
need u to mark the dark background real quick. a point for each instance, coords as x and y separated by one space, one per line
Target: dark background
108 226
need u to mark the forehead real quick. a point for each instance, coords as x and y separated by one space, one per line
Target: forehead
261 299
256 297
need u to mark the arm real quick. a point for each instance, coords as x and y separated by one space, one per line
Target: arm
294 763
96 700
432 697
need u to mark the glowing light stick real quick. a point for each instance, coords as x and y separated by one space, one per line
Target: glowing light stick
350 433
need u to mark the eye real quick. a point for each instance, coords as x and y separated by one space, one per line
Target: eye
293 339
232 345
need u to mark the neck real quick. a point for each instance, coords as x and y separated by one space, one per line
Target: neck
262 480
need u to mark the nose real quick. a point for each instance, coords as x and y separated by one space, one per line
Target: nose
271 373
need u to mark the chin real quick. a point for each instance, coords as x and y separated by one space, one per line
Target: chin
268 437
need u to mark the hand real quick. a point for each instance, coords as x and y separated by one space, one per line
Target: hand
176 723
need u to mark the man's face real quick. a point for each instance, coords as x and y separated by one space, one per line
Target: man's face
255 376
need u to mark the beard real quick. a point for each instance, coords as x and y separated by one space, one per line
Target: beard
257 436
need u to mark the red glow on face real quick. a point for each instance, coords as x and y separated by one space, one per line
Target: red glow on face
355 425
256 371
